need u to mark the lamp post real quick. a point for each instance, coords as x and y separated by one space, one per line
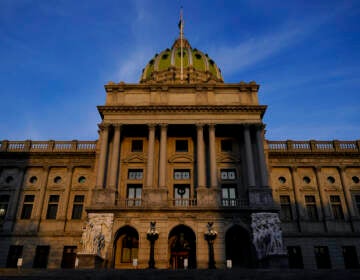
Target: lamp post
152 235
210 236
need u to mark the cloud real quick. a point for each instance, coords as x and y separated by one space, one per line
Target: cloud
258 48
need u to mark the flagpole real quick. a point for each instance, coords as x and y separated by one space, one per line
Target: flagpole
181 45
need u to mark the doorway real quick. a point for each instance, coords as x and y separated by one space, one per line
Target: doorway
239 248
126 247
182 247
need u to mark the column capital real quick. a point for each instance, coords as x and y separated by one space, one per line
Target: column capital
317 169
164 125
259 126
117 125
293 169
199 125
151 125
103 126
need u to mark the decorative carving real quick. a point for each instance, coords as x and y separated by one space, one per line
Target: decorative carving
97 234
267 235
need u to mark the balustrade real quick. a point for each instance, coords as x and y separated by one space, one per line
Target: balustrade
47 146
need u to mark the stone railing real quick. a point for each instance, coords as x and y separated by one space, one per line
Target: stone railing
314 146
47 146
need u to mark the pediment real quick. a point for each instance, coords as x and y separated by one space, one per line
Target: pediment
227 158
181 158
135 159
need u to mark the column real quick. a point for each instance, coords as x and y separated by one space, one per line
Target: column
347 194
150 157
213 171
163 156
299 210
261 154
115 158
103 155
325 206
249 157
200 156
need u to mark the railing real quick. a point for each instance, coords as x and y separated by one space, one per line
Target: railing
131 203
234 203
47 146
183 202
314 146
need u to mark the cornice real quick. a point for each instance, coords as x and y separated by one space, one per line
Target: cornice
184 108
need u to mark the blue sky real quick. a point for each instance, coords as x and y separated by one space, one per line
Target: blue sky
56 55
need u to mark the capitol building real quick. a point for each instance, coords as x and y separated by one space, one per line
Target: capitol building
181 176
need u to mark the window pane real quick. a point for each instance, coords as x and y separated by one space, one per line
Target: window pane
136 145
29 198
226 145
79 198
26 211
51 212
181 145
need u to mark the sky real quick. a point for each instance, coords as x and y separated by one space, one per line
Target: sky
56 56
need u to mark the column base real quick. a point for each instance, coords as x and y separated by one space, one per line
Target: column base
90 261
103 196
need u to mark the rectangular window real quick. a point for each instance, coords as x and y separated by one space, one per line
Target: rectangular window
228 195
322 257
350 257
4 203
15 252
357 202
181 146
311 207
226 145
228 174
137 146
181 194
69 257
285 208
41 257
295 257
135 174
336 207
27 207
134 195
78 207
181 174
52 207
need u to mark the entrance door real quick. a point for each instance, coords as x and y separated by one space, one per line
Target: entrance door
41 257
126 247
69 257
182 246
239 248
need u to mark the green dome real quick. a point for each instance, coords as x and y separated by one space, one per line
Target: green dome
166 66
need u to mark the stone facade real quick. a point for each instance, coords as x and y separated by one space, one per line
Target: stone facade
188 157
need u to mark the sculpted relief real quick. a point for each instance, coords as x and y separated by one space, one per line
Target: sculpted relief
97 234
267 235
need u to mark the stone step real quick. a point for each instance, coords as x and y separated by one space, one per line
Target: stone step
246 274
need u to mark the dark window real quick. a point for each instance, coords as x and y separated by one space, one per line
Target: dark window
82 179
357 202
306 180
41 256
33 179
181 174
77 207
285 208
228 195
9 179
4 203
57 180
228 174
322 257
27 206
15 252
336 207
226 145
69 257
137 146
181 146
134 194
282 180
135 174
52 207
311 207
295 257
331 179
350 257
355 179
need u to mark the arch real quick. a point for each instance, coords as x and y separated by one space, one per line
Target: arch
239 248
126 247
182 245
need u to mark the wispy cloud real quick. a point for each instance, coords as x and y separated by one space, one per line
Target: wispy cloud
262 46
